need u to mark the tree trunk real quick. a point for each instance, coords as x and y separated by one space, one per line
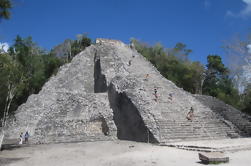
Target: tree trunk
8 102
1 137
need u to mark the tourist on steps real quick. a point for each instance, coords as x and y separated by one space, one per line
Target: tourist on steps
21 139
170 96
132 46
26 137
190 114
155 94
146 77
130 62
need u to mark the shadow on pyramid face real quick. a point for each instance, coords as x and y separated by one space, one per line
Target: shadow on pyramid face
130 125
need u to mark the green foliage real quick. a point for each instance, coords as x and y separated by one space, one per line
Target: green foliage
217 82
69 48
51 64
246 100
24 70
30 57
216 71
5 6
12 82
80 44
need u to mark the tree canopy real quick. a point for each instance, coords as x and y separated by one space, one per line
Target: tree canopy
5 6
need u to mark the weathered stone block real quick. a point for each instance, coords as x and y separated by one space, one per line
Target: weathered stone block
213 158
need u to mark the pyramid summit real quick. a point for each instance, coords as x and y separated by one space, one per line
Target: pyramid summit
109 91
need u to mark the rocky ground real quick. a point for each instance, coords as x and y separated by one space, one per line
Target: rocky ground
114 153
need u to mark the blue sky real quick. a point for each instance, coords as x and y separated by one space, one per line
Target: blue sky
201 24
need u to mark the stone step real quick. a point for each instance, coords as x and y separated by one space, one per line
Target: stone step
191 138
193 134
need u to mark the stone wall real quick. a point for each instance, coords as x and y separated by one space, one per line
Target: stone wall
77 117
130 125
231 115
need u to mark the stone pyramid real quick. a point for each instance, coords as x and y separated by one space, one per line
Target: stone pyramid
107 92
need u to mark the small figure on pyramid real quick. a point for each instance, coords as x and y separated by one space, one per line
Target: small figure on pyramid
132 46
155 94
190 114
130 62
146 77
170 97
20 139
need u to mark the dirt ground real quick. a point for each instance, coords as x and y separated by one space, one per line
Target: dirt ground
116 153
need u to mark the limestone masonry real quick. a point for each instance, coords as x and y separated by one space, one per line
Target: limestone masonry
109 91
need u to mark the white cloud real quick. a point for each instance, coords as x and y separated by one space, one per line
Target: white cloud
207 4
229 13
249 48
4 47
245 12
